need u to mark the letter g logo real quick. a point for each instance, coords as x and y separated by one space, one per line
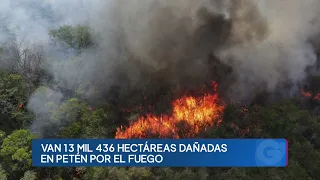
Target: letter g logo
270 152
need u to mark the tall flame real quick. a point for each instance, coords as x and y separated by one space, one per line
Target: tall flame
196 113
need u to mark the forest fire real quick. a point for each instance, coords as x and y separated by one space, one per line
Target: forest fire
309 95
190 116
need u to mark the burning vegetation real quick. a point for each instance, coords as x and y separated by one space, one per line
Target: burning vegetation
190 115
308 94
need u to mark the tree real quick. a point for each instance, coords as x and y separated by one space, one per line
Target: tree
29 175
28 61
77 38
114 173
111 173
3 175
13 97
2 136
15 153
75 119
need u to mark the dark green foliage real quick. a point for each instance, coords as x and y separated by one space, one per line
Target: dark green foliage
82 121
13 98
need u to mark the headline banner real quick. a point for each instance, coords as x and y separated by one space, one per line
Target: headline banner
160 152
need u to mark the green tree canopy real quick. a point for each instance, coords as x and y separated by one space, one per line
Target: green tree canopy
14 93
77 37
15 152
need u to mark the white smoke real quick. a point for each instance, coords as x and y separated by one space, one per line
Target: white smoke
284 53
269 40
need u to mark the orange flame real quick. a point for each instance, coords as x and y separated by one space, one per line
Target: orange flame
197 113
